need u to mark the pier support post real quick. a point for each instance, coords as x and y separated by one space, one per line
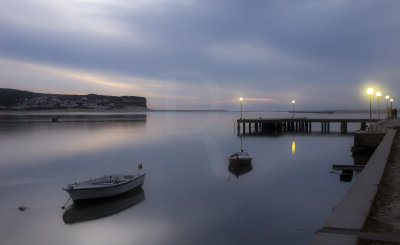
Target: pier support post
363 126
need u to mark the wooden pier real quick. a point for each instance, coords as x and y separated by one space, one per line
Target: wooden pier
296 124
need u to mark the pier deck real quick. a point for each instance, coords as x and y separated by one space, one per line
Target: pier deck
297 124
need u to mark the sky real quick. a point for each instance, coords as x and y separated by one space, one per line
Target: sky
205 54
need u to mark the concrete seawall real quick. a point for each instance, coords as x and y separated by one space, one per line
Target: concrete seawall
346 221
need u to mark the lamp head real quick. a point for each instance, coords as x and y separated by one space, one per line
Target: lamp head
370 91
293 101
391 100
387 97
379 94
241 98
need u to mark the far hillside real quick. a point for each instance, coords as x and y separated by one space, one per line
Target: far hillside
13 99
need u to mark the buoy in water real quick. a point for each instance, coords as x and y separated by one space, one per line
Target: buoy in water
21 208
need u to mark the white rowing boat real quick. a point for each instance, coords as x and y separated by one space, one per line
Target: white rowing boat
105 186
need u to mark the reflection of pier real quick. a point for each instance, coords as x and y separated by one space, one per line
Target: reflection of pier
296 124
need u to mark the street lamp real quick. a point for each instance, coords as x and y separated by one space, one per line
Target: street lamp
293 102
379 94
391 107
241 106
387 105
370 91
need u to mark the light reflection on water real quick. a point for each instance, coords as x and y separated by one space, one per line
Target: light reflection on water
63 139
191 195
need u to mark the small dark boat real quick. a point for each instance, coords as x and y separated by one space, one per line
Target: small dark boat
240 158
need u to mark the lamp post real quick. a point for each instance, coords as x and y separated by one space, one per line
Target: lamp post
391 107
241 106
379 94
387 105
293 102
370 91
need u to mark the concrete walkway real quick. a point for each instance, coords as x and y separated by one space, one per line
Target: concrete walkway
346 223
384 217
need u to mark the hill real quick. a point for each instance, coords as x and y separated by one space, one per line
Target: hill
13 99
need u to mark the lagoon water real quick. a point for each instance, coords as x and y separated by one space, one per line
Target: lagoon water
189 195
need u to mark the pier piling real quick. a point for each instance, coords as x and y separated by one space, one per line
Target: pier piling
296 124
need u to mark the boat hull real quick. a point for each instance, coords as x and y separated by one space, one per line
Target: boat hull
81 194
240 161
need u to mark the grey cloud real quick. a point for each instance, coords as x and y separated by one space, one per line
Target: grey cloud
314 43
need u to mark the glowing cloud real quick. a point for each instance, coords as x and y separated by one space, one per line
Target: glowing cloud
85 77
257 99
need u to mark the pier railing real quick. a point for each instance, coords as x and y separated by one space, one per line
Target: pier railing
296 124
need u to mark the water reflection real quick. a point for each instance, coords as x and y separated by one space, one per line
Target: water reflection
239 169
79 212
293 146
67 117
40 140
201 207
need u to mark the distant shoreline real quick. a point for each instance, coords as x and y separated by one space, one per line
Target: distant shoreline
331 111
188 110
79 111
145 110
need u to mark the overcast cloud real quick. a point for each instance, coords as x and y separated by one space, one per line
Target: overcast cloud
204 54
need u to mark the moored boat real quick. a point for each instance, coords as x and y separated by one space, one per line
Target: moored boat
105 186
240 158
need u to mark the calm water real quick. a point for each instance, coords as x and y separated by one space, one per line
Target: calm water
189 196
